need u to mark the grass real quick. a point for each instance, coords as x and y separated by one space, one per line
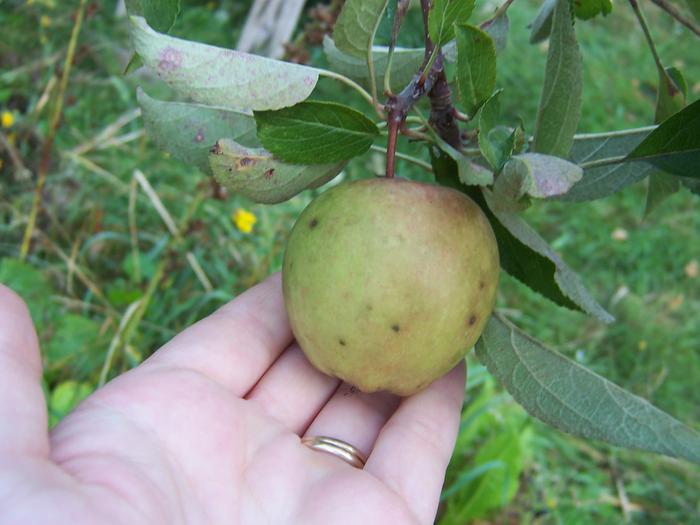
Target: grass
121 283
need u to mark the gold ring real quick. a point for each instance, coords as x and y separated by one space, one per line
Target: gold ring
337 448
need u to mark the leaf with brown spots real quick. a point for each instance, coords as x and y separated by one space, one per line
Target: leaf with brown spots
256 174
189 131
222 77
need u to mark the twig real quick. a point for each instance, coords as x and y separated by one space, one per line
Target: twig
647 34
500 11
673 11
354 85
53 128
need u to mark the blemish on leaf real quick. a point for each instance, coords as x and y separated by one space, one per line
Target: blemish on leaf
313 223
244 163
341 342
482 285
369 307
269 173
170 59
216 150
396 328
199 137
472 319
309 81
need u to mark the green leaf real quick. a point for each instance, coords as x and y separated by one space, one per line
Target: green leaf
222 77
442 17
315 132
567 282
535 266
539 176
189 131
670 99
541 26
505 453
598 182
404 64
587 9
694 6
476 67
356 26
560 102
135 62
674 146
65 397
573 399
253 173
495 142
75 345
671 95
468 172
160 14
661 186
498 31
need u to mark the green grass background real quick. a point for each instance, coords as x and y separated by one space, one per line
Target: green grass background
107 283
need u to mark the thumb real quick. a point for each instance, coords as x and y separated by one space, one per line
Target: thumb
24 428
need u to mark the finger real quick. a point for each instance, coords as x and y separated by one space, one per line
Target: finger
293 391
236 344
24 428
354 417
414 447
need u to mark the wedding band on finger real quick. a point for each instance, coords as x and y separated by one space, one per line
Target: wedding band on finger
337 448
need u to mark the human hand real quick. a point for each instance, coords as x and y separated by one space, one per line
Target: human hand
207 431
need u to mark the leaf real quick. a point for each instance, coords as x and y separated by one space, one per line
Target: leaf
573 399
495 142
476 67
65 397
160 14
541 26
661 186
670 99
605 180
694 6
442 17
674 146
253 173
497 29
560 102
587 9
468 172
315 132
540 176
222 77
189 131
565 278
404 64
535 266
356 26
75 345
497 485
671 94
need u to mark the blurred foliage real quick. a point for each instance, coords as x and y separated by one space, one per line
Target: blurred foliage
101 247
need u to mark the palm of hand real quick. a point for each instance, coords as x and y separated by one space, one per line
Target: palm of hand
207 431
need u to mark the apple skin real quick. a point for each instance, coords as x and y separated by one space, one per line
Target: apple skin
388 282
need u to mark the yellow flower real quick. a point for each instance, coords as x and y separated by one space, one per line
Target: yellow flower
45 21
244 220
7 119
